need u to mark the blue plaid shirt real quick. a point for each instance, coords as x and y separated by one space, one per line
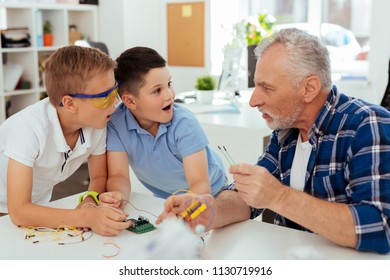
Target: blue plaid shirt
349 163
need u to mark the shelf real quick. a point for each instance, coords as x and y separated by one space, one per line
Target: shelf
28 15
19 92
16 50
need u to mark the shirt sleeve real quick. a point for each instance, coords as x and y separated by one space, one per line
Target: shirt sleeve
369 187
101 144
189 135
114 142
22 144
269 159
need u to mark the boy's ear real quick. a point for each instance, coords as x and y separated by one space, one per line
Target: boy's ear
69 103
129 100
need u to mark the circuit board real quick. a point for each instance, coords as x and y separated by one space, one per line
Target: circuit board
141 225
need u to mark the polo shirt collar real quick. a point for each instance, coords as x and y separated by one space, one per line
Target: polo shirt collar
58 134
132 124
84 138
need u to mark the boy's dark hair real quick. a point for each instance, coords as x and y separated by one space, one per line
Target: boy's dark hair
132 65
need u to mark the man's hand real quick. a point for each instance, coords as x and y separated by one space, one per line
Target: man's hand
255 185
176 204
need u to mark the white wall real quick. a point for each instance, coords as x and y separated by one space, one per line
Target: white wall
111 27
128 23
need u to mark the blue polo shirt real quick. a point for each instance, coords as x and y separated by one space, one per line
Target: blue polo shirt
158 161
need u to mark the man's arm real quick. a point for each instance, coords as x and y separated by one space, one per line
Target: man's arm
227 208
332 220
259 189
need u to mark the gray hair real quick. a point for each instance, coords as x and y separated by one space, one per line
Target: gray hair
306 55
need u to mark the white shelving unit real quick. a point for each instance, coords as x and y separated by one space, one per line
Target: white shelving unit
20 15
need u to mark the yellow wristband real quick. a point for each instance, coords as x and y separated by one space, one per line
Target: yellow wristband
95 196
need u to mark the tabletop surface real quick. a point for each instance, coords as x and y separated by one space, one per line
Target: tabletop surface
248 240
234 112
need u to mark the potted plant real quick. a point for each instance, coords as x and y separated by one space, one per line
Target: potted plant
256 28
47 34
205 86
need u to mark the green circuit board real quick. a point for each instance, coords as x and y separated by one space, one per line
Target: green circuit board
141 225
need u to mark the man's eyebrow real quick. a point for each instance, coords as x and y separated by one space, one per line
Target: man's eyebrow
262 83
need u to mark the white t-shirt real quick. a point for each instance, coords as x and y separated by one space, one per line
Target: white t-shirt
299 165
34 137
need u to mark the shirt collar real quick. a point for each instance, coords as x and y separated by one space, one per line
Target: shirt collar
132 123
326 114
58 134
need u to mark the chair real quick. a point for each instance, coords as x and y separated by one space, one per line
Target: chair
89 44
386 97
99 45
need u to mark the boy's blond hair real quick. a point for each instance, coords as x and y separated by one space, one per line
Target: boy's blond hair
70 69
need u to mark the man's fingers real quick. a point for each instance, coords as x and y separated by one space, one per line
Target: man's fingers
243 168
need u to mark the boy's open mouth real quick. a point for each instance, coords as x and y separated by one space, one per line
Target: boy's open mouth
167 107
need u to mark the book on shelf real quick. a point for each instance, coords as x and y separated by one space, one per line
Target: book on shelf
18 37
39 27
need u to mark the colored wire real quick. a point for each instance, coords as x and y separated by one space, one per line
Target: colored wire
227 155
113 243
141 210
182 191
189 209
63 232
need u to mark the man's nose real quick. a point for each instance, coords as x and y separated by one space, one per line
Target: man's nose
256 98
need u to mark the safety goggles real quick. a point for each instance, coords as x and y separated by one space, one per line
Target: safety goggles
100 100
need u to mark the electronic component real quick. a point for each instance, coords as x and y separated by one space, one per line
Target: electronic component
193 210
141 225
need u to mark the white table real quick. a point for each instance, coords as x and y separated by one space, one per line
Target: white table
252 239
14 246
247 240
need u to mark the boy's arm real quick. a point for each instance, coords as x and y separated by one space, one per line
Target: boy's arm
118 175
19 191
25 213
196 172
97 168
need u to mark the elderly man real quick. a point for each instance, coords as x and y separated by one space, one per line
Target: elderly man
326 168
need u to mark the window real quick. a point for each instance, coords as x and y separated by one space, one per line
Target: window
339 24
